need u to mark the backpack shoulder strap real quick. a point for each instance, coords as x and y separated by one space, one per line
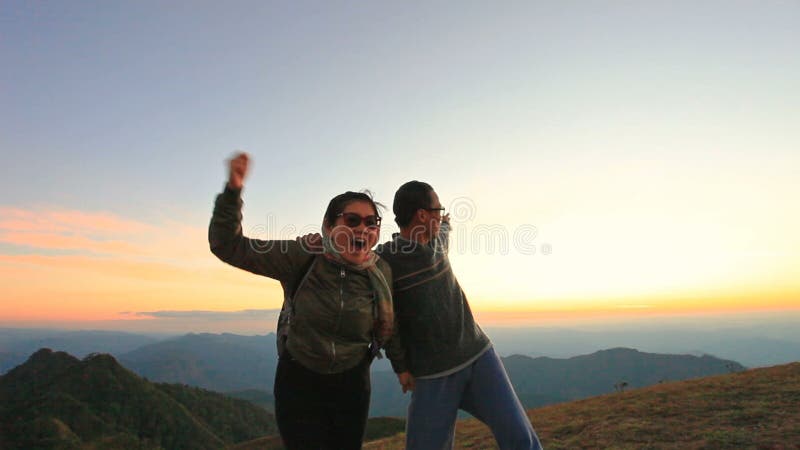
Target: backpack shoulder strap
306 270
287 310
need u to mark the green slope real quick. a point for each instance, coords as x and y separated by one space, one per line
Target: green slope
55 401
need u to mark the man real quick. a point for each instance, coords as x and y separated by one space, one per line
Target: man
440 353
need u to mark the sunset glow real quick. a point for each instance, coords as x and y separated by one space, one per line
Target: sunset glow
626 162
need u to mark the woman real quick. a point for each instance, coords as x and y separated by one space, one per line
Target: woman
337 306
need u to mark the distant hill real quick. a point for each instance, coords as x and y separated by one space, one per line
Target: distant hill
55 400
8 361
219 362
17 344
755 409
544 381
387 398
753 352
754 346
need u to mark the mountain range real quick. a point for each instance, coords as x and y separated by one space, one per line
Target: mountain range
244 367
753 343
229 362
219 362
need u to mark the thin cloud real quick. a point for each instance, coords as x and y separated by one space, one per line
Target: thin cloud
69 221
86 232
102 234
54 241
92 266
131 267
105 266
246 314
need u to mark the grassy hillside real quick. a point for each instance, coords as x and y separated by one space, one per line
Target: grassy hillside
257 397
755 409
377 428
56 401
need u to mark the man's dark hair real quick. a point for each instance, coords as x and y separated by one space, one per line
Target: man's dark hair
409 198
337 204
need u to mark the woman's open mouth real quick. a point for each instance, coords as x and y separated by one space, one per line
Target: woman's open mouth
359 244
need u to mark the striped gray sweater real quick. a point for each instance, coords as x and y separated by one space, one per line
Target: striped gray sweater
435 324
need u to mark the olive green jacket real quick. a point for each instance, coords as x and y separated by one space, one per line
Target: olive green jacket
332 323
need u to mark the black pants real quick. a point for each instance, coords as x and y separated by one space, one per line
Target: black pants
316 411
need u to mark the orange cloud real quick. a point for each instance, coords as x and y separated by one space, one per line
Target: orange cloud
542 311
103 234
87 232
82 288
47 240
133 271
69 221
116 264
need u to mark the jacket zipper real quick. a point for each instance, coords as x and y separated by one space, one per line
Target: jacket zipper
339 319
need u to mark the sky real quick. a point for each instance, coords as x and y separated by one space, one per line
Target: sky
600 159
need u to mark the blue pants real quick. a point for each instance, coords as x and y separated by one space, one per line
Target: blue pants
481 389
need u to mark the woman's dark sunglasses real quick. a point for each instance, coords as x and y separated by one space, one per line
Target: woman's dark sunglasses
353 220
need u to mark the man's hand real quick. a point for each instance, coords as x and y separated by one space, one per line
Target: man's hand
238 170
312 243
406 381
446 218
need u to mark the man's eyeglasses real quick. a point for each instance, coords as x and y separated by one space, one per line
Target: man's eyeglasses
441 210
353 220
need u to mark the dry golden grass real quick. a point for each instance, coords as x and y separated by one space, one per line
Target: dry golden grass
754 409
